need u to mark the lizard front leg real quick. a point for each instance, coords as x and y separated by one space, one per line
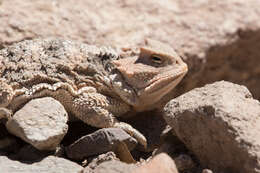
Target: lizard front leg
97 110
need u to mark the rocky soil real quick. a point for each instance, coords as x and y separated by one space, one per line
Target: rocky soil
209 129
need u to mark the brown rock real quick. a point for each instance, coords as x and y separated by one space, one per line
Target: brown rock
219 123
160 163
99 142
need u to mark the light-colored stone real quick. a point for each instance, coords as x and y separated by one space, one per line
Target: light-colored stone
220 124
41 122
49 164
160 163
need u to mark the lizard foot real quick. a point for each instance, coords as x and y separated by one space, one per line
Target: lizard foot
132 132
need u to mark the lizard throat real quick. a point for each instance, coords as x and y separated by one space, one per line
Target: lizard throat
163 82
149 97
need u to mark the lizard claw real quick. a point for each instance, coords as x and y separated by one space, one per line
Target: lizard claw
132 132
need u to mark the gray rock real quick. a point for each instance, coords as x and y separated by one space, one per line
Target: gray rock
99 142
220 124
49 164
114 166
41 122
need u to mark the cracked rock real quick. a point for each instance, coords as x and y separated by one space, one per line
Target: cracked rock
220 124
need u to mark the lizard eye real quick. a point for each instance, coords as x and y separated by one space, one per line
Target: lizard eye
156 59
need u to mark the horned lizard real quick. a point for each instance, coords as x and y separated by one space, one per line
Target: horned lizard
95 84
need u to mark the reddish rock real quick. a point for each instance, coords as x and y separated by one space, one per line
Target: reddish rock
160 163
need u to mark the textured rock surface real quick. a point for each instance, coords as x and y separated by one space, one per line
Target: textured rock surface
113 166
41 122
49 164
160 163
99 142
220 124
219 39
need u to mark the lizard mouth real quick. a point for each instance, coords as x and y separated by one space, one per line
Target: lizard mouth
164 83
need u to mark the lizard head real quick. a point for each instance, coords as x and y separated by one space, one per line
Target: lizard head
150 75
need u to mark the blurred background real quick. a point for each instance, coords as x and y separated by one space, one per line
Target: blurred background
220 40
